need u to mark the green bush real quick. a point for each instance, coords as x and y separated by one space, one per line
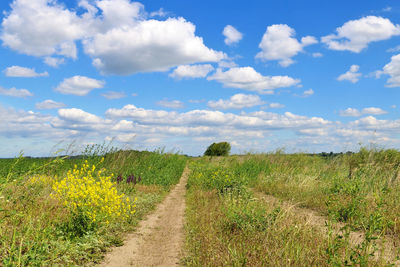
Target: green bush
218 149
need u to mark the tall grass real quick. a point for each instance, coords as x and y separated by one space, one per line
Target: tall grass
34 227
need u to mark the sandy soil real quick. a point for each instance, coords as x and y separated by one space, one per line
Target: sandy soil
159 239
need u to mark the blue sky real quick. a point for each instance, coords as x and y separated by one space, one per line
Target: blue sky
306 76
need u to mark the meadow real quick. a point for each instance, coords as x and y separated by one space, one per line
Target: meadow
272 209
68 211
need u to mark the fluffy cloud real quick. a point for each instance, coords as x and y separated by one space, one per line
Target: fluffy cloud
109 30
248 79
237 101
393 70
42 28
170 104
78 85
276 105
49 104
352 112
17 71
53 61
278 43
151 45
193 71
15 92
195 129
114 95
308 92
232 36
351 75
355 35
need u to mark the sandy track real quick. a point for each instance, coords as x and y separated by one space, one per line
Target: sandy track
159 239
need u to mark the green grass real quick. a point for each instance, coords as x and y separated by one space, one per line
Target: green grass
361 191
32 231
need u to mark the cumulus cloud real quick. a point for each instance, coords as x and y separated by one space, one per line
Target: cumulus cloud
151 45
351 75
54 61
232 36
109 31
278 43
237 101
355 35
170 103
17 71
248 79
114 95
41 28
276 105
393 70
308 92
15 92
191 71
49 104
196 128
353 112
78 85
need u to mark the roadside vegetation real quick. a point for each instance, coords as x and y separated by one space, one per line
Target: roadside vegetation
68 211
272 209
294 209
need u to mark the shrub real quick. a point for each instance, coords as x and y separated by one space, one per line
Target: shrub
91 198
218 149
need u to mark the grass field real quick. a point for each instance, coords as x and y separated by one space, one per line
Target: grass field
251 210
39 230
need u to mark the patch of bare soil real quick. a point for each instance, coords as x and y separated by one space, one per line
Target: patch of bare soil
159 239
386 245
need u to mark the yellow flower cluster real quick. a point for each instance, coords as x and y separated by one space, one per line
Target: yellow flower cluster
41 179
92 193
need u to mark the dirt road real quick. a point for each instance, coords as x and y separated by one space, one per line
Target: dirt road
159 239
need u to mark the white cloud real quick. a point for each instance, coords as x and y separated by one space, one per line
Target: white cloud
373 111
159 13
170 103
278 43
15 92
54 61
308 92
276 105
232 36
237 101
114 95
352 112
109 31
17 71
317 54
49 104
355 35
393 70
78 85
152 45
351 75
79 116
193 71
248 79
42 28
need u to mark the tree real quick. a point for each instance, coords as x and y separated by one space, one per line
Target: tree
218 149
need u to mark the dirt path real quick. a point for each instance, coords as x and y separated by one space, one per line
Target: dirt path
390 248
159 239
